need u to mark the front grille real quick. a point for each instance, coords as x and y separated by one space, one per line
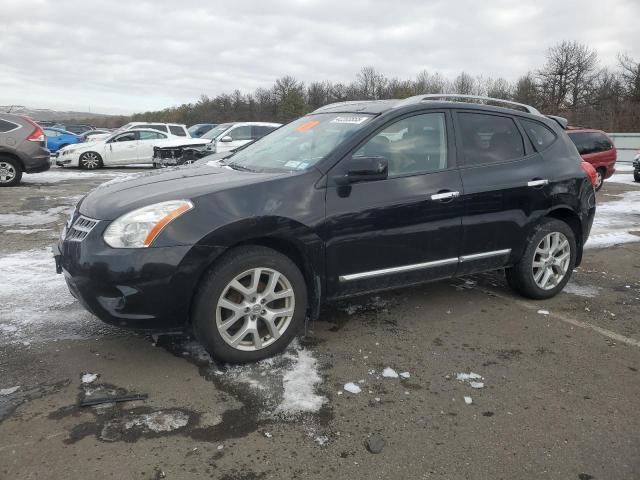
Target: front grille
80 229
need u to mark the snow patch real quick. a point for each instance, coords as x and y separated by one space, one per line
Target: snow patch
158 421
89 377
352 388
8 391
299 383
543 312
405 374
389 373
28 231
464 377
56 175
468 400
615 221
50 215
581 290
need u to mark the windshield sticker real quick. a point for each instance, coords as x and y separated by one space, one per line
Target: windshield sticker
291 164
354 120
307 126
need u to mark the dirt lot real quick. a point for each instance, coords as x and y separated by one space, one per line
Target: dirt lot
558 398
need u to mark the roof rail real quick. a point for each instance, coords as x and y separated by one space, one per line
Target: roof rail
453 96
339 104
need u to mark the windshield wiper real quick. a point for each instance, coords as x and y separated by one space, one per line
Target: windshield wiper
239 167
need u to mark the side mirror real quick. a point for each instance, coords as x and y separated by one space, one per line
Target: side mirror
226 139
365 169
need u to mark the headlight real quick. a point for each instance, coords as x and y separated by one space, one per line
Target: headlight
138 229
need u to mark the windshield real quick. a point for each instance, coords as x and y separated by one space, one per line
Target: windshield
301 143
215 132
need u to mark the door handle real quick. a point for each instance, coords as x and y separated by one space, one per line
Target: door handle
537 183
445 195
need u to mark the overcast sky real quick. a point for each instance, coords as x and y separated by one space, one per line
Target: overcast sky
122 57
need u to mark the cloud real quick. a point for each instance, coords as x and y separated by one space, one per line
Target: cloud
120 57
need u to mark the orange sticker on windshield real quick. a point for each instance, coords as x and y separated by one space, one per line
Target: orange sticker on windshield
307 126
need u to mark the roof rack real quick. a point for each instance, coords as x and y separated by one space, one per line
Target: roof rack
457 97
339 104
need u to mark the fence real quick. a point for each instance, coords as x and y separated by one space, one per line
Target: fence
627 145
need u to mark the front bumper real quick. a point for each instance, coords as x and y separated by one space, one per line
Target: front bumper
68 160
146 289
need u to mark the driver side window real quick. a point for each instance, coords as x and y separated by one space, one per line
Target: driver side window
240 133
413 145
125 137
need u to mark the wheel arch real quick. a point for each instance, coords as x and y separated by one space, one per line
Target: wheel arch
13 156
569 217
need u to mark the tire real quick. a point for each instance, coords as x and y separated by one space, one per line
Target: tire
90 161
600 173
238 266
636 175
521 277
10 172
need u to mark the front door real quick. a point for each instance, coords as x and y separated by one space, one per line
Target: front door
122 149
238 137
402 230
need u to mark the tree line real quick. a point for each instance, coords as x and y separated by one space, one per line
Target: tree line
571 83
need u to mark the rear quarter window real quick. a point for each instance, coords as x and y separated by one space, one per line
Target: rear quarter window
6 126
540 135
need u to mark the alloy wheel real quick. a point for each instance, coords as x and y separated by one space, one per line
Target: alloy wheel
7 172
255 309
90 160
551 260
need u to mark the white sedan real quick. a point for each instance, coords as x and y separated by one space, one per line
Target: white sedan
125 148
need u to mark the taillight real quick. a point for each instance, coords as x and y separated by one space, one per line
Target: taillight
38 134
590 171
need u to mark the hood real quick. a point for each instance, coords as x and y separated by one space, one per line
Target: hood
186 142
121 195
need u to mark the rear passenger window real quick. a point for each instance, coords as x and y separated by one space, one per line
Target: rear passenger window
7 126
540 135
413 145
176 130
489 138
590 142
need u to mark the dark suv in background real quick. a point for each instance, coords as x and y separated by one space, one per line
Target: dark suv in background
23 149
353 198
596 148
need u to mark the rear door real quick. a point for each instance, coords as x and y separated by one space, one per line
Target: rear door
506 188
402 230
146 141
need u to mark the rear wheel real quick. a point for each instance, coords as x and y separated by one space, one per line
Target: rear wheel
547 262
10 172
600 173
250 305
90 161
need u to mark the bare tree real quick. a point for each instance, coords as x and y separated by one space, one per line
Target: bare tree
371 83
464 84
630 73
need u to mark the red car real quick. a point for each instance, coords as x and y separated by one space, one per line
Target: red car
596 148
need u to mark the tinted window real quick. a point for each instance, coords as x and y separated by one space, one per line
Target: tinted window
146 135
540 135
590 142
489 138
125 137
176 130
412 145
260 131
241 133
6 126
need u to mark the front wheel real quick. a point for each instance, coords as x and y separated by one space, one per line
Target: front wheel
90 161
547 262
250 305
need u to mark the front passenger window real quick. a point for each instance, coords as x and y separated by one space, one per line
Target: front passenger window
412 145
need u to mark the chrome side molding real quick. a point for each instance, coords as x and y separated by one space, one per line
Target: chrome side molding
425 265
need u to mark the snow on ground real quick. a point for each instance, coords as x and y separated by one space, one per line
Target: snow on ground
352 387
588 291
161 421
28 231
35 304
623 177
56 175
283 385
615 220
25 219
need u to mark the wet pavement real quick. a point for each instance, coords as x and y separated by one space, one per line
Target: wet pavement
560 378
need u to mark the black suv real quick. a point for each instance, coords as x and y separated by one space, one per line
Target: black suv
352 198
